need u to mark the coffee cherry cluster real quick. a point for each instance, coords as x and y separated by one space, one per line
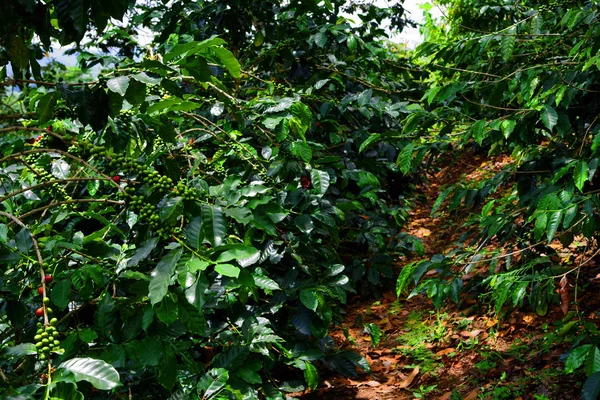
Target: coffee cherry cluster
62 111
46 339
155 90
126 116
55 190
188 193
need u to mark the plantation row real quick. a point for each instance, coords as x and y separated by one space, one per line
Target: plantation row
187 218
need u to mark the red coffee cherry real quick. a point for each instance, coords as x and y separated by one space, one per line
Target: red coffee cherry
39 312
48 278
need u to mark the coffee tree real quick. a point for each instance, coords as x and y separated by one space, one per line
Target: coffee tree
184 220
517 79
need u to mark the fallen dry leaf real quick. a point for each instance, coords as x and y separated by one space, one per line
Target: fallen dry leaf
565 298
410 378
470 334
370 384
472 394
445 352
423 232
529 318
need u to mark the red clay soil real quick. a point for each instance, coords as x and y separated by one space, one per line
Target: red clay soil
474 354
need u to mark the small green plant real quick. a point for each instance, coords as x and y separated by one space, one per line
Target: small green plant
423 390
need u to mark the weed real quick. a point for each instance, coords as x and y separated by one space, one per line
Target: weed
422 391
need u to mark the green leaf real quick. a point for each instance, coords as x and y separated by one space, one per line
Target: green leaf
87 335
302 113
227 270
309 299
147 351
63 390
364 97
540 225
249 376
143 252
265 282
167 310
320 39
161 276
507 44
167 373
78 10
45 107
591 387
311 375
508 126
404 160
136 92
320 181
335 269
577 357
3 233
100 374
478 131
373 138
404 277
213 224
213 382
145 78
304 223
301 150
228 60
351 43
549 117
240 253
18 53
592 362
232 358
163 105
438 202
191 317
61 293
105 318
553 223
118 85
21 350
580 174
375 333
194 233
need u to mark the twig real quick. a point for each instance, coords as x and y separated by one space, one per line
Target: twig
32 187
73 201
38 253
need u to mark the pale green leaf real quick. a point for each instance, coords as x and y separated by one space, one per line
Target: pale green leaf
100 374
118 85
404 160
227 270
580 174
311 375
162 274
549 117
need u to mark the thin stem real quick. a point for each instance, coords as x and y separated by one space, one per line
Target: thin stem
49 183
38 253
73 201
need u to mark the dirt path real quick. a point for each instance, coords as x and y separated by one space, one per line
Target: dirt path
458 352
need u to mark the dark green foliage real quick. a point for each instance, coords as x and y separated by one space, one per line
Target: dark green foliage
206 204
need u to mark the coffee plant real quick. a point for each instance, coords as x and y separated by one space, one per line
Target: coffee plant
185 218
519 80
184 213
